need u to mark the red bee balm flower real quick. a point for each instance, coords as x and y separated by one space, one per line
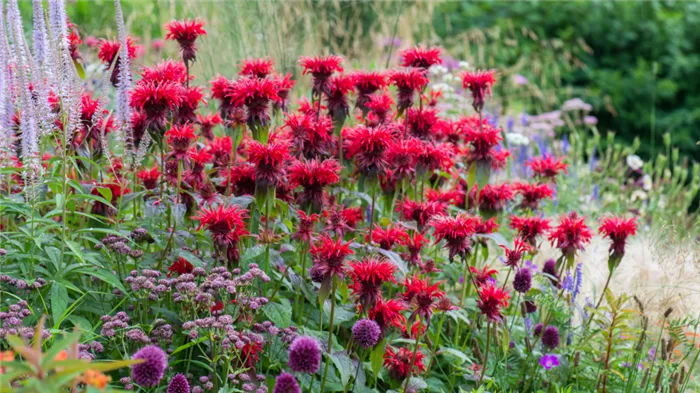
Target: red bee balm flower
269 160
402 156
367 277
336 100
109 51
321 68
149 177
156 100
420 212
618 230
207 124
386 238
491 300
226 225
368 147
492 198
329 259
530 228
399 362
256 95
313 176
305 228
366 83
571 234
420 57
166 71
180 138
185 33
514 255
258 68
408 82
422 294
484 276
456 231
547 168
379 105
388 313
532 194
311 137
421 122
479 83
180 266
414 244
283 85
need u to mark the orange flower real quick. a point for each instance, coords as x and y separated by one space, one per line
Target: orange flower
95 378
63 355
6 356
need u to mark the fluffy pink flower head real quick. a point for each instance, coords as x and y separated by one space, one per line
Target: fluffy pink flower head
321 68
618 229
479 83
258 68
421 122
420 57
407 83
571 234
456 231
186 33
156 100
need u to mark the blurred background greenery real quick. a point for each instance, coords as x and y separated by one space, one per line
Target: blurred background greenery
636 62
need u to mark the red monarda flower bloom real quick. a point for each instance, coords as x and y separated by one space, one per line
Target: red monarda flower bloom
329 259
492 198
571 234
367 277
103 209
185 33
515 255
485 227
156 100
311 137
207 124
484 276
388 313
532 194
240 179
368 148
269 160
530 228
422 295
227 226
313 176
258 68
336 100
479 83
482 139
196 177
386 238
336 221
180 266
73 42
420 212
109 53
305 227
149 177
456 231
407 82
399 362
166 71
180 139
618 229
219 89
421 122
321 68
491 300
192 96
352 215
420 57
402 156
547 168
379 105
366 83
283 85
221 149
92 123
435 156
256 95
414 244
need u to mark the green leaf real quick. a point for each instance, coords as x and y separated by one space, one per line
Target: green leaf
59 301
191 258
79 68
377 357
105 276
344 365
55 256
251 253
457 354
189 344
279 314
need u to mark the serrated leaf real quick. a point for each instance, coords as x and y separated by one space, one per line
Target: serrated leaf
279 314
344 365
251 253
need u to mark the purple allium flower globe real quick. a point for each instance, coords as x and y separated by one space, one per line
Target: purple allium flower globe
178 384
286 383
149 372
523 280
305 355
550 337
538 329
366 332
549 360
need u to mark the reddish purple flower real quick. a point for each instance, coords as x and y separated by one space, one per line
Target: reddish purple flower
479 83
149 372
408 82
321 68
258 68
305 355
178 384
286 383
366 333
420 57
186 33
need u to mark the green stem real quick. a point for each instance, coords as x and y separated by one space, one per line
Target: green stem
486 356
330 336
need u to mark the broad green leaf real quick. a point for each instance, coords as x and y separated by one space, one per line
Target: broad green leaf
279 314
189 345
59 301
377 357
344 365
105 276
